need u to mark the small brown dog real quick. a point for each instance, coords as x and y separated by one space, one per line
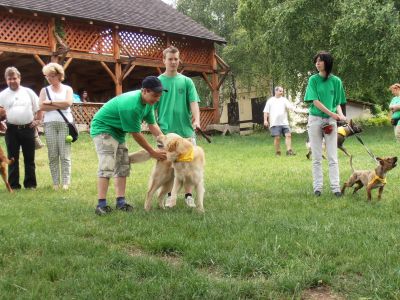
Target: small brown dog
4 162
371 179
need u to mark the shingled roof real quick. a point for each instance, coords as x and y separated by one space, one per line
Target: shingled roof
146 14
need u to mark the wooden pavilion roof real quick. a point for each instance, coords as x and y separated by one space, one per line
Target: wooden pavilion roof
146 14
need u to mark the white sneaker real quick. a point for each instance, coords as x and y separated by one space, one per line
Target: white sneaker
168 202
190 201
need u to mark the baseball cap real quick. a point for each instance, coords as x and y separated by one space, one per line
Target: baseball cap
153 83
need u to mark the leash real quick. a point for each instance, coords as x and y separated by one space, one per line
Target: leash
204 135
362 143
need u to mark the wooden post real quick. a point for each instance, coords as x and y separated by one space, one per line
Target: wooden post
118 66
215 88
52 40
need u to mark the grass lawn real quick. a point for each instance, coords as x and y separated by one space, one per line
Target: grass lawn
263 235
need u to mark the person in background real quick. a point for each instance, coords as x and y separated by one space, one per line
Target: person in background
55 128
85 96
276 118
394 107
325 94
21 106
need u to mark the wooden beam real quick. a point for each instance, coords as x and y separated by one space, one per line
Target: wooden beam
1 53
24 49
204 75
126 73
66 64
118 66
109 71
215 90
159 70
39 60
221 81
221 62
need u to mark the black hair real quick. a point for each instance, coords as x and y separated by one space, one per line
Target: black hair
327 58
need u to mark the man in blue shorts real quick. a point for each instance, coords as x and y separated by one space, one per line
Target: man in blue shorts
276 118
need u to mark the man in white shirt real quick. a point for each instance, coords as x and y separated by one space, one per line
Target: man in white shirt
22 110
276 118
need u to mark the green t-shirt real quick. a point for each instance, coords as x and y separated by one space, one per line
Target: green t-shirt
173 109
329 92
122 114
396 114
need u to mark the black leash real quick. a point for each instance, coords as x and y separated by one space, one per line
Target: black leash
362 143
203 134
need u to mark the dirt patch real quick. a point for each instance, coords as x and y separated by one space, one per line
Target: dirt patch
320 293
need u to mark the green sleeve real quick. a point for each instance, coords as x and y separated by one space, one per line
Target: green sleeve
342 94
149 117
191 91
311 91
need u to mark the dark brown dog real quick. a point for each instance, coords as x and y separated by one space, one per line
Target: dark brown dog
371 179
343 132
4 162
2 114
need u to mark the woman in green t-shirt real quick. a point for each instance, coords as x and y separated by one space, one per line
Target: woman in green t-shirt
325 94
395 109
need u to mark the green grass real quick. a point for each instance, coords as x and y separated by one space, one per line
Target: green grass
264 235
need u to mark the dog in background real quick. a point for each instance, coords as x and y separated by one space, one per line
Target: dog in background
371 179
4 163
343 132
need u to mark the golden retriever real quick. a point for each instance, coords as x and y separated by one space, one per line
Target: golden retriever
184 166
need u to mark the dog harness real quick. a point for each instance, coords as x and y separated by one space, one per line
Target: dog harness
342 131
377 178
186 157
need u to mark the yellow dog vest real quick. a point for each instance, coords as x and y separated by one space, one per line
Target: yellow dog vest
377 178
342 131
186 157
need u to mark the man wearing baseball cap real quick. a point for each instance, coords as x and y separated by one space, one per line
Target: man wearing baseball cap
120 115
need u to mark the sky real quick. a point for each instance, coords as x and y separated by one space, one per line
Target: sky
169 1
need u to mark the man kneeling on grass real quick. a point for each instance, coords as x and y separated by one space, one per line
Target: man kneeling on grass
120 115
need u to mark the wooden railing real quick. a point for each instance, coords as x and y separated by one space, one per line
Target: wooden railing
83 114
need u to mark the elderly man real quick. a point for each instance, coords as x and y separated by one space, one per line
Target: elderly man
21 105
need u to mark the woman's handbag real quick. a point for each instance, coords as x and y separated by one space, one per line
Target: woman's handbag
72 129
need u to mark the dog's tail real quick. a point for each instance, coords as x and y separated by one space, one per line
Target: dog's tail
351 163
139 156
10 161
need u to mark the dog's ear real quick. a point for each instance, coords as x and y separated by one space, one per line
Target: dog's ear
380 160
171 147
351 122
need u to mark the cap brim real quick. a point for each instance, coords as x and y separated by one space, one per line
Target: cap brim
158 89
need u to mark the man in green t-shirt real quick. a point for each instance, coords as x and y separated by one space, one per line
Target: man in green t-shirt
178 110
120 115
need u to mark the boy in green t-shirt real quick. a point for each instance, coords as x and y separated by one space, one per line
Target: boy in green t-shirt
121 115
178 110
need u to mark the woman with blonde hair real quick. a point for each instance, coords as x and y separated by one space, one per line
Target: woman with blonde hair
394 107
57 96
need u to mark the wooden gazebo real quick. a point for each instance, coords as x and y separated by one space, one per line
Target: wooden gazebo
106 47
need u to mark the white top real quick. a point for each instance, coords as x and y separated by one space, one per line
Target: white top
277 108
54 115
20 105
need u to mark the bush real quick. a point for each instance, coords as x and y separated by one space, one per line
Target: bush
381 118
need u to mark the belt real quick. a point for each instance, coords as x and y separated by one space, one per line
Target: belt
19 126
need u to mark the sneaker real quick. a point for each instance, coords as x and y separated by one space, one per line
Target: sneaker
125 207
168 202
278 153
290 153
102 210
338 194
317 193
65 187
190 201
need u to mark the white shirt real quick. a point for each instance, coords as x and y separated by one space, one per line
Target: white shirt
20 105
54 115
277 108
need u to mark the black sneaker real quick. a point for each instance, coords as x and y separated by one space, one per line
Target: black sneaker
102 210
317 193
125 207
338 194
278 153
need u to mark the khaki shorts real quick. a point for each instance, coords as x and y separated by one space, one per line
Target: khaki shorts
113 157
